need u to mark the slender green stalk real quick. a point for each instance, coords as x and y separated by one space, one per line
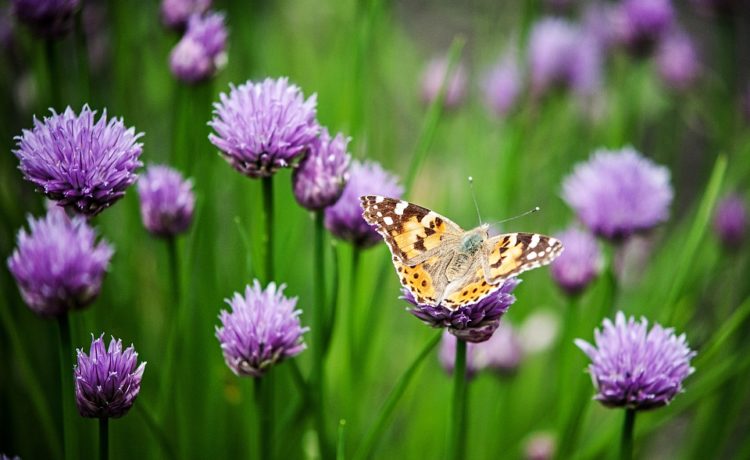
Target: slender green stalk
353 307
263 392
53 74
457 435
103 438
319 315
340 445
174 270
30 381
333 307
429 126
66 386
376 430
155 429
174 314
626 440
268 215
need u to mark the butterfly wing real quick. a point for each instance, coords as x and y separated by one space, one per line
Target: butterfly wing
514 253
410 231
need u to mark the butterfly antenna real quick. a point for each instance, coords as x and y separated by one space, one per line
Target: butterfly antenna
474 197
530 211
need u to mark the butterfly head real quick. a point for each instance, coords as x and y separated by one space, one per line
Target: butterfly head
473 240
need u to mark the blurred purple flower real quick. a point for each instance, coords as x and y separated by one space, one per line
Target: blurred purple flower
502 85
48 18
619 192
562 54
176 13
262 330
58 265
472 323
8 457
202 50
502 353
730 220
82 164
107 380
262 127
167 201
539 331
319 179
642 24
540 446
636 368
455 86
580 263
344 219
677 60
447 355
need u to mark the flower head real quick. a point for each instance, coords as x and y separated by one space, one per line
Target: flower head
344 219
107 380
635 367
262 330
58 265
167 201
502 85
617 193
48 18
472 323
83 164
677 60
540 446
320 178
641 24
580 263
202 50
176 13
262 127
455 84
730 220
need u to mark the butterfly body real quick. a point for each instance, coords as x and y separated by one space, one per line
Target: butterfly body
442 264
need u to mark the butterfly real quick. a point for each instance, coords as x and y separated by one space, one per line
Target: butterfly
442 264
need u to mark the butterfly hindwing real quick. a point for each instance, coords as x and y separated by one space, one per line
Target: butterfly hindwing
514 253
408 229
418 279
474 289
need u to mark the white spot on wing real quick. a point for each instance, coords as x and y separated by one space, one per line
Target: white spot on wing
379 199
430 216
534 241
388 220
400 207
380 214
531 256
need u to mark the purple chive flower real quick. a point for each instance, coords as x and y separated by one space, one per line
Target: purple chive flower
167 201
83 164
472 323
581 262
447 355
176 13
48 18
502 85
730 220
677 60
540 446
320 178
107 380
634 367
642 24
202 50
344 219
455 86
262 127
262 330
619 192
58 265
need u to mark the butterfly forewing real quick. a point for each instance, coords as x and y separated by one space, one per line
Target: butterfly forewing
408 229
514 253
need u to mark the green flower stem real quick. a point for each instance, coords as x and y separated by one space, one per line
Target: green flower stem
173 314
626 440
318 333
330 323
268 237
66 386
53 74
434 111
353 308
103 438
376 430
263 392
457 435
340 445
